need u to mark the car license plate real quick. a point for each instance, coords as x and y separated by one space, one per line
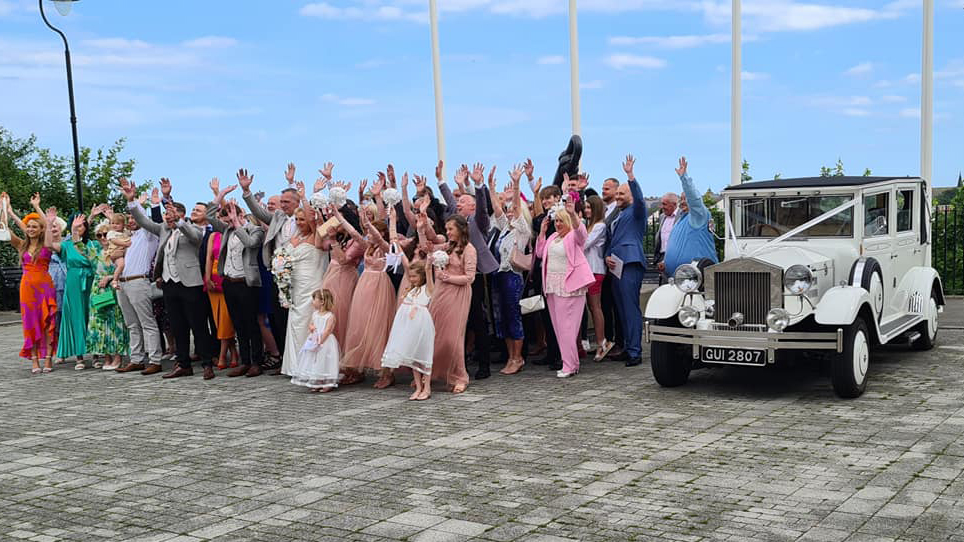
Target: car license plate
732 356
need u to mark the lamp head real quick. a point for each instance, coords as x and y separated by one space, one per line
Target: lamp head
63 6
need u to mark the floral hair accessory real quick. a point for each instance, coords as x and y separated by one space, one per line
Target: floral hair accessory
338 196
556 209
574 196
440 259
319 200
391 197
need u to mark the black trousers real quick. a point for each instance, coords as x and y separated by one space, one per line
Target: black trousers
243 301
278 319
478 322
184 311
614 328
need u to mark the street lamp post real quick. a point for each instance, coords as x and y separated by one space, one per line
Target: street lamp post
63 7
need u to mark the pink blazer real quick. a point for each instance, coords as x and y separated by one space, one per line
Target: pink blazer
578 272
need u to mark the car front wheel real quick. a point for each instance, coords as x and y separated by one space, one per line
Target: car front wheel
849 368
670 363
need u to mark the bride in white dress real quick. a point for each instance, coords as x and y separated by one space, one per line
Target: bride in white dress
309 259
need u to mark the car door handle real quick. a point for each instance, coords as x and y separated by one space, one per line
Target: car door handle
892 256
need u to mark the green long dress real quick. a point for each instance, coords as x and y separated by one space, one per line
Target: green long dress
106 334
75 310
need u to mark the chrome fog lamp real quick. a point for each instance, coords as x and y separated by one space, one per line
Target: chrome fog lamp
710 308
688 316
778 319
687 278
798 279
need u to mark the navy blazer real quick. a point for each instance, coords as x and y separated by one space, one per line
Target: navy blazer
629 229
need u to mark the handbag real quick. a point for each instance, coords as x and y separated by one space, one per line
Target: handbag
103 299
532 304
520 260
4 232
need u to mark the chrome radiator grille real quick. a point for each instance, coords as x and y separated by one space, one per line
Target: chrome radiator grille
743 292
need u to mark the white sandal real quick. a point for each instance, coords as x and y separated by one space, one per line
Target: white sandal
80 366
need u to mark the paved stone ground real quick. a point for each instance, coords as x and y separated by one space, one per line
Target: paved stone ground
608 455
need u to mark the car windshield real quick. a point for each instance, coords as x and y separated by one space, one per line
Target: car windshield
773 217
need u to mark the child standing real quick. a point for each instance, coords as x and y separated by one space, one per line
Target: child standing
317 364
411 342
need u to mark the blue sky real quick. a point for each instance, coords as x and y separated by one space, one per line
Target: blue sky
202 88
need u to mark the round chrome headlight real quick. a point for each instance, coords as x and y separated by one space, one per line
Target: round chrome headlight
688 316
778 319
798 279
687 278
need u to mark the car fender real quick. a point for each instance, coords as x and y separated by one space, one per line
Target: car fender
920 280
840 305
667 300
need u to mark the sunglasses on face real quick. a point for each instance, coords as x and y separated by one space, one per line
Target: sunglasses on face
101 235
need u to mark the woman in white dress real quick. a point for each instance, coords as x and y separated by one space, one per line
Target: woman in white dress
309 259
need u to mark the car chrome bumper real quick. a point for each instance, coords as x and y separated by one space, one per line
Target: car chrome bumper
758 340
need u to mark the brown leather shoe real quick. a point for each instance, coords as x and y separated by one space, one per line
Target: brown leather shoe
130 368
240 371
179 372
255 370
208 372
152 368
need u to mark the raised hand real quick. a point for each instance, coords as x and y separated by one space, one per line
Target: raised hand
538 187
127 188
51 214
300 186
78 222
423 205
516 174
529 169
155 196
478 173
681 170
420 182
142 199
290 173
492 180
321 183
628 166
35 200
245 180
405 179
215 185
227 190
166 187
582 181
391 175
361 189
378 185
545 226
438 171
462 176
326 170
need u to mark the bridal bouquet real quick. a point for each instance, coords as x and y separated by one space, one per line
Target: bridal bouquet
338 196
440 259
319 200
281 267
391 197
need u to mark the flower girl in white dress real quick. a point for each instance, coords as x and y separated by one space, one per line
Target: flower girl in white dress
411 342
317 366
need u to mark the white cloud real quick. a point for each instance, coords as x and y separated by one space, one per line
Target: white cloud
347 102
855 112
367 12
371 64
591 85
911 78
864 68
671 42
753 76
793 16
552 59
622 61
211 42
910 112
892 99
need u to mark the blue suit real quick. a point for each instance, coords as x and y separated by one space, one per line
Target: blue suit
626 243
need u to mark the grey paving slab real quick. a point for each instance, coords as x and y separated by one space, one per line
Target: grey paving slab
607 455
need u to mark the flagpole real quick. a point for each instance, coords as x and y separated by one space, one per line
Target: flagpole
736 142
927 106
574 68
437 76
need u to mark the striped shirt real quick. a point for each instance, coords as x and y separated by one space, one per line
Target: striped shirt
140 255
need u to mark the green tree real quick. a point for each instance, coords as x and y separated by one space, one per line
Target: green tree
745 176
867 172
838 170
825 171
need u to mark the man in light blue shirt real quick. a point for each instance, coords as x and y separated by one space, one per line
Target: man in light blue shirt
691 238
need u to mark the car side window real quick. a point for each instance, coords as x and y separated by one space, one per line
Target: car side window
905 210
876 211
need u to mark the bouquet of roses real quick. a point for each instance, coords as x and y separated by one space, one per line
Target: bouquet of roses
319 200
281 268
440 259
391 197
338 196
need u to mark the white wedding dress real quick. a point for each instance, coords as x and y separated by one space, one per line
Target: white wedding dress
308 266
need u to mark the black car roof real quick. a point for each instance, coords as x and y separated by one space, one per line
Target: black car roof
814 182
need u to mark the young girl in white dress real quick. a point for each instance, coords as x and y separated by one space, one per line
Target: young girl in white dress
317 365
411 342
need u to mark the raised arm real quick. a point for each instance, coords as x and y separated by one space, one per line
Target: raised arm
258 210
406 200
639 204
35 204
699 214
429 274
48 238
130 194
482 211
250 237
450 205
536 200
349 229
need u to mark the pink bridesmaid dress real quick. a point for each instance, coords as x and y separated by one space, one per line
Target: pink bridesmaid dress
340 280
450 312
372 312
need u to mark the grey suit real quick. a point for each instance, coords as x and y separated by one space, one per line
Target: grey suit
242 296
251 237
182 298
275 222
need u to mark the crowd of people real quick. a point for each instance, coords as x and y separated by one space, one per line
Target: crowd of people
329 291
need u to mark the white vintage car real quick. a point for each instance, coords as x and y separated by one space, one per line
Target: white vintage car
830 265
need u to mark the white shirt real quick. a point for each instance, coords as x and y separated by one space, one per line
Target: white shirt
234 263
558 259
515 237
286 233
137 260
610 207
668 222
169 272
595 245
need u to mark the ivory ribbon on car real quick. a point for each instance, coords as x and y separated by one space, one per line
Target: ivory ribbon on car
806 226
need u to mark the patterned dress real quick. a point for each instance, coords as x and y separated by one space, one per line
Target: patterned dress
38 305
106 333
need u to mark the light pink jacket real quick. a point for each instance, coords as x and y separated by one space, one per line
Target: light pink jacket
578 272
